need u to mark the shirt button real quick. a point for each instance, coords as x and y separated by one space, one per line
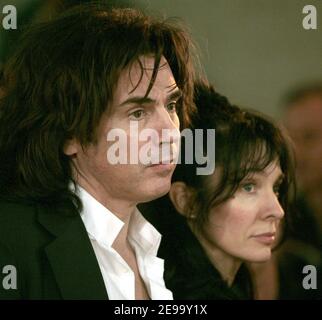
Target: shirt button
124 270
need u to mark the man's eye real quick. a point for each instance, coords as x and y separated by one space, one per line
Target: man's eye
137 115
172 107
248 187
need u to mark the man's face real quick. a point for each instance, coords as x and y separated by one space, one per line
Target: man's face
304 122
134 183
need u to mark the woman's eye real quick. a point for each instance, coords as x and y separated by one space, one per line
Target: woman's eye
172 107
137 115
277 190
249 187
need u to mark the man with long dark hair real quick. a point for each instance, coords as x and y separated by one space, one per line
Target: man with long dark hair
69 226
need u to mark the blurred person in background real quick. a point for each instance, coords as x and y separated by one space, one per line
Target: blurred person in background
303 120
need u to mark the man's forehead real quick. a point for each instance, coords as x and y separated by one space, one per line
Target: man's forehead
136 78
147 62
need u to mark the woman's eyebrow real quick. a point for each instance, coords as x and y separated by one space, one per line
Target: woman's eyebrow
258 172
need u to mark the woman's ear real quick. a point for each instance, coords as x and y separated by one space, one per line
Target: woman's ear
180 194
71 147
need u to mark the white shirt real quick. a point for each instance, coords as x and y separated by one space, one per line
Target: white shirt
103 227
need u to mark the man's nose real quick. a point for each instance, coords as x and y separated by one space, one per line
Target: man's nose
167 125
166 120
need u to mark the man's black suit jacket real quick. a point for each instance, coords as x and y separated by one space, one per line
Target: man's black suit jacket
52 254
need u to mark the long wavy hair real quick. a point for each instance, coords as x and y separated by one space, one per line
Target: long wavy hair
61 80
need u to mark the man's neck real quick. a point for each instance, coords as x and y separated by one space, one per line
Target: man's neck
121 242
124 211
121 208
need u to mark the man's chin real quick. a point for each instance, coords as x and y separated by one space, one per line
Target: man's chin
156 192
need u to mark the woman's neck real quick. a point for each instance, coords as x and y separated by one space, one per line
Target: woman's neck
226 264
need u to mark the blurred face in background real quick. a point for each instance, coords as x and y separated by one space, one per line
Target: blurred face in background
303 120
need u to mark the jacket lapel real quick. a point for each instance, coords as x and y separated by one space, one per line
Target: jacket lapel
72 257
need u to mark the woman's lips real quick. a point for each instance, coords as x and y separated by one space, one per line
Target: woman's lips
265 238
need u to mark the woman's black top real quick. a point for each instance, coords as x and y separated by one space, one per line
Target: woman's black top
189 274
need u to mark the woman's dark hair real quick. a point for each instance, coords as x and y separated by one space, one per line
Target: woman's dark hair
61 80
246 142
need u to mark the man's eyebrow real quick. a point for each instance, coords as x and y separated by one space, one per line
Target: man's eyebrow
175 95
137 100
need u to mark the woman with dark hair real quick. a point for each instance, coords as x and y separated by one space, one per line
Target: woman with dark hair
231 216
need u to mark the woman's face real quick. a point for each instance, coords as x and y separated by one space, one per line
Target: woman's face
244 226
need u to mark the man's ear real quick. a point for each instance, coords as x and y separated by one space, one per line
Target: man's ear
71 147
180 194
